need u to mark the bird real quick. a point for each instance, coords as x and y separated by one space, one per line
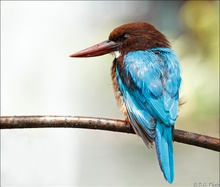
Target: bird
146 79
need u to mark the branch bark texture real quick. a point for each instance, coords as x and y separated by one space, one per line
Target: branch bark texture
19 122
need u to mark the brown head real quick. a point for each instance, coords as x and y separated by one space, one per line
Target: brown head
127 38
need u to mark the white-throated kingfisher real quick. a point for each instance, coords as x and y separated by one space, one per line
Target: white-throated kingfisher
146 80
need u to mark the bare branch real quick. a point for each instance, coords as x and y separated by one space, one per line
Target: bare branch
17 122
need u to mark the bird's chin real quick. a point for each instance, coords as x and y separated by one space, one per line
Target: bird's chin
117 54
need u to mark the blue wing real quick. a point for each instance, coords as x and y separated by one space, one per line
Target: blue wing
149 83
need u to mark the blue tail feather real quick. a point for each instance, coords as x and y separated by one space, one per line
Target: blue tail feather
164 147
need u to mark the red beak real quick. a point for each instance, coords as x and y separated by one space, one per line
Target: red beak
98 49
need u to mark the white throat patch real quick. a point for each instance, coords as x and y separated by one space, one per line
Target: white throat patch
117 54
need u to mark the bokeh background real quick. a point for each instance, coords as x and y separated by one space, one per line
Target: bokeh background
39 78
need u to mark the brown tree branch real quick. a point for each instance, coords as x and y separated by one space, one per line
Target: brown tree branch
17 122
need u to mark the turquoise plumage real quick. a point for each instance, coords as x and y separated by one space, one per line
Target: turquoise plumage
149 84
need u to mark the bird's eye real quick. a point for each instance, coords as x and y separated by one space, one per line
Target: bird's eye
125 36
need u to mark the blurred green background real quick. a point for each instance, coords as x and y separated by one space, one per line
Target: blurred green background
39 78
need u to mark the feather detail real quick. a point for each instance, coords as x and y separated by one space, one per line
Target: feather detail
117 92
164 147
148 90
